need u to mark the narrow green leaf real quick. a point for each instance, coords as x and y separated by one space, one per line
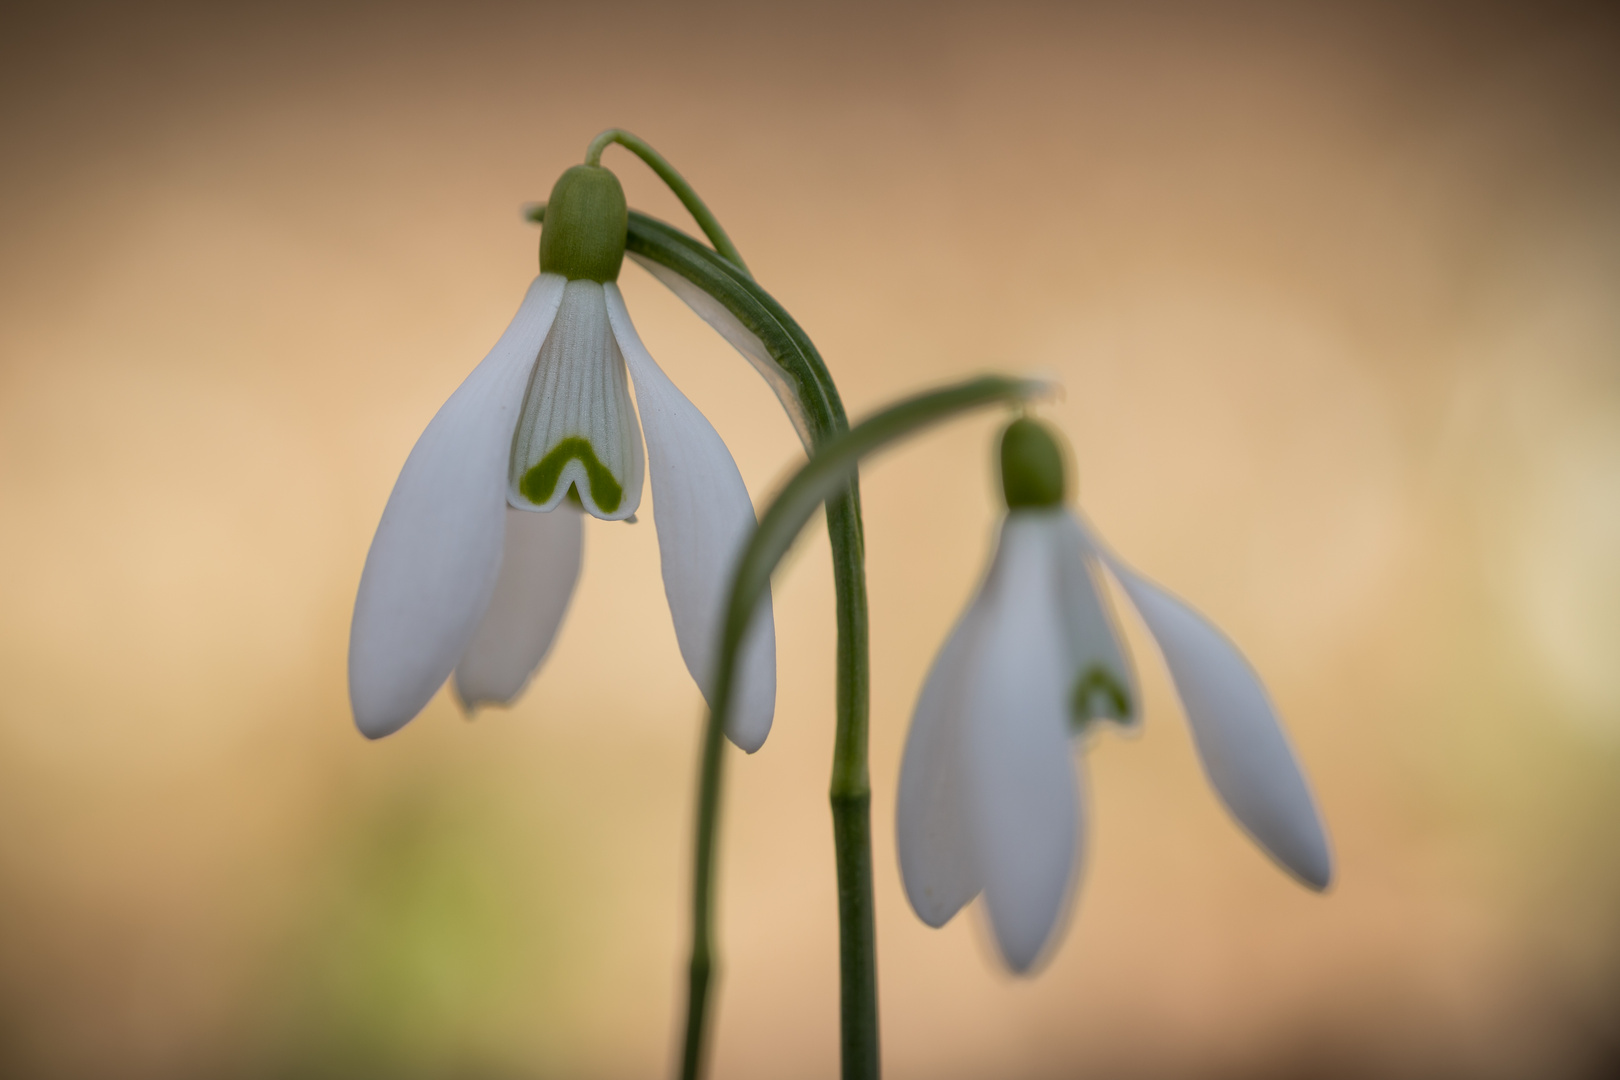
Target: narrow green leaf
830 470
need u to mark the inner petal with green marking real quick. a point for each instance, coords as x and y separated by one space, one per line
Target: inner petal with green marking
578 437
1098 693
540 482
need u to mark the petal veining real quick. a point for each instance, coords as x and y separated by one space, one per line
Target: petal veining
433 563
578 429
1104 682
1240 740
741 338
704 517
539 568
939 863
1025 794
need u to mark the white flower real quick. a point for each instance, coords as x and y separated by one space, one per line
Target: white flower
479 546
990 795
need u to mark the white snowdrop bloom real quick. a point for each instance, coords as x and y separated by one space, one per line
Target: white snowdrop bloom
479 546
991 786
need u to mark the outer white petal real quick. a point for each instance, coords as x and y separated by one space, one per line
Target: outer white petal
1025 797
1093 634
1240 740
433 562
539 568
704 517
579 392
939 863
741 338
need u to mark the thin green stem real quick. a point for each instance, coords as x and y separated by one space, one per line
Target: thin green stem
677 183
850 795
694 1045
826 473
827 477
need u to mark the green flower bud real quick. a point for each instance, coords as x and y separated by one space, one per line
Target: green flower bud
585 224
1031 465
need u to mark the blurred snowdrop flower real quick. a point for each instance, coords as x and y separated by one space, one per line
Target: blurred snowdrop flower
991 790
479 546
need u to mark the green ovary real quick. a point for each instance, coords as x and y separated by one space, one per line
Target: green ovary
540 481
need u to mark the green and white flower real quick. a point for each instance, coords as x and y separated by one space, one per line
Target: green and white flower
991 789
479 547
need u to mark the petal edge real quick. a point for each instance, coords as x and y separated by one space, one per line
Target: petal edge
704 516
540 565
1241 743
433 562
934 838
1025 788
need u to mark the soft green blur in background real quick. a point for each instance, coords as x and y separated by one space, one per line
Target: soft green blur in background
1335 295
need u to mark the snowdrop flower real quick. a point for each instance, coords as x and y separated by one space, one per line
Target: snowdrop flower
991 790
479 547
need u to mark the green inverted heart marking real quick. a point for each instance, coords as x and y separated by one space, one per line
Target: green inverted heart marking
1098 680
540 481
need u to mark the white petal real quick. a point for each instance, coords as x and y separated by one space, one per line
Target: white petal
539 567
741 338
939 863
1095 648
1240 740
433 562
1025 797
704 517
578 428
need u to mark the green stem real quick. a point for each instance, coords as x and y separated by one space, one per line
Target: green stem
677 183
850 794
816 399
694 1045
827 477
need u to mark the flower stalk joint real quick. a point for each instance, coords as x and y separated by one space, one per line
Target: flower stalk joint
1032 474
586 222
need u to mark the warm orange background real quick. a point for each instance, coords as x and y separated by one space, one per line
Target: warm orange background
1334 297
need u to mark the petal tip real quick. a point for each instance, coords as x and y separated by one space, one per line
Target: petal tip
1024 959
379 709
1316 872
469 702
1020 966
376 727
1303 856
748 741
933 910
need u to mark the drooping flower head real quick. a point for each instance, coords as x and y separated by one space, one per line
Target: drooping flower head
991 784
479 547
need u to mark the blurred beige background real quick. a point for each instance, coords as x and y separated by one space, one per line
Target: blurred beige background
1334 297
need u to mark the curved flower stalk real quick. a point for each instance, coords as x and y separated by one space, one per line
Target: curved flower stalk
991 791
826 478
479 547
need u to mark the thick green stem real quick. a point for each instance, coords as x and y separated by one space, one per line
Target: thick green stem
852 834
677 183
817 400
851 795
